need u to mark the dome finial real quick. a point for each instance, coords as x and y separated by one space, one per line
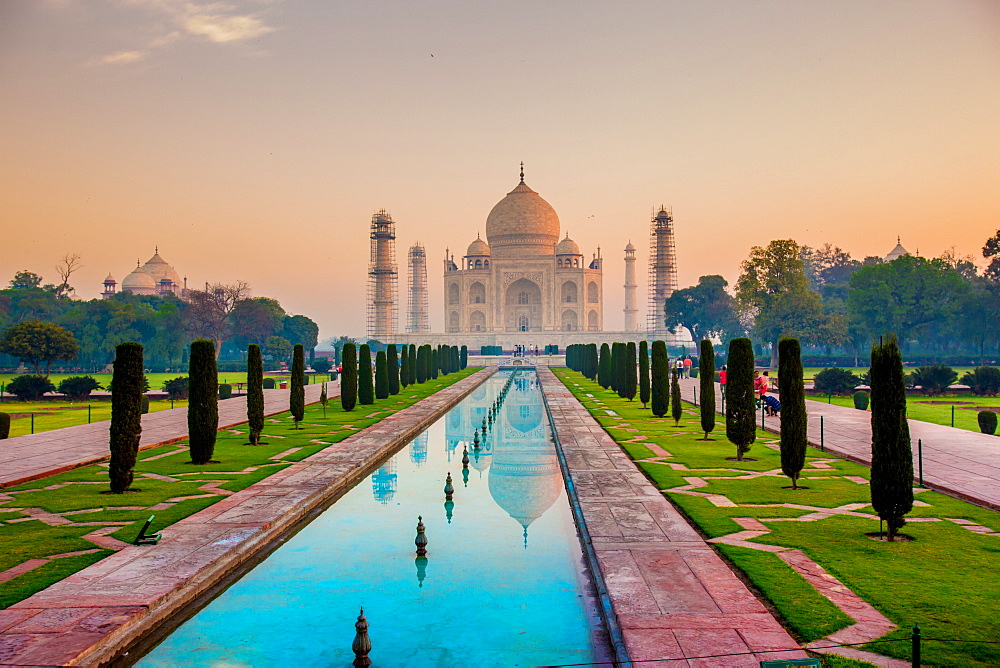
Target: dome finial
156 249
522 171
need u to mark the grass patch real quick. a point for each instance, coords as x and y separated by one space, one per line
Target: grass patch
917 409
240 465
936 581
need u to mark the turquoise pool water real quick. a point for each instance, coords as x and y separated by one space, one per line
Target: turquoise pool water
503 584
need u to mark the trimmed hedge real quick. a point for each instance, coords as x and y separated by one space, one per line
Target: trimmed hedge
126 415
203 401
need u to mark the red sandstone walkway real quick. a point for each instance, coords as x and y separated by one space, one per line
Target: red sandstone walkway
25 458
674 598
961 463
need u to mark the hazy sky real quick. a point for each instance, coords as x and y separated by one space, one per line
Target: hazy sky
253 139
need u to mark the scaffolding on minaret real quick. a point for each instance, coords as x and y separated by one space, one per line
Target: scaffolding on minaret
383 278
662 272
417 320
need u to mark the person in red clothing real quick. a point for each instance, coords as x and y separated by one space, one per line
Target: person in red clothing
762 383
687 366
722 378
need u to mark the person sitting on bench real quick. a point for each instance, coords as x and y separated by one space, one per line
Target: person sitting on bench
771 405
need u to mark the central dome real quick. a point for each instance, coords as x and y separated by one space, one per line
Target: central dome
521 224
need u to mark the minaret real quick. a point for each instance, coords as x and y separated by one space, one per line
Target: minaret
631 312
382 278
662 271
417 319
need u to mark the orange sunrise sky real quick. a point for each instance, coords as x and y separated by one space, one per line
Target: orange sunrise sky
253 139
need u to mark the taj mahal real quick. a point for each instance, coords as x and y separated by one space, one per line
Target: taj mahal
527 283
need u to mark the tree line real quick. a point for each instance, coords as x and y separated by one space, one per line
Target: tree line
830 301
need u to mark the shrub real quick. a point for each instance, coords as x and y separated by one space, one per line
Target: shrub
707 387
176 388
675 397
741 406
126 415
225 391
366 386
659 381
78 387
984 381
268 383
30 388
987 422
111 384
861 400
892 457
349 383
793 439
203 402
381 375
255 392
321 365
934 379
835 381
145 404
4 425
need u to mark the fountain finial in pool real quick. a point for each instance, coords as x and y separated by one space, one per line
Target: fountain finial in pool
421 539
465 459
362 643
449 488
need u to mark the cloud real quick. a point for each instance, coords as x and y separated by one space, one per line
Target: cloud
176 20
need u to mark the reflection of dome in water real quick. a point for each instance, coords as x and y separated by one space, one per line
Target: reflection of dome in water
525 485
523 412
480 460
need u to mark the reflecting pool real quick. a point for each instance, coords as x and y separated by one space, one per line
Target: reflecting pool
503 583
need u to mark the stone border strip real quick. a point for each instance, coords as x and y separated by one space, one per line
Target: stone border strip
674 598
34 456
94 615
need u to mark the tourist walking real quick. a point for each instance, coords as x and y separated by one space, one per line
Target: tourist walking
688 363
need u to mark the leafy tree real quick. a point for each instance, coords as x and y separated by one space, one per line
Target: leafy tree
794 418
278 348
256 320
30 388
25 280
392 364
37 343
297 381
209 310
111 385
644 373
705 309
300 329
177 388
604 367
910 296
126 415
741 407
934 379
840 382
892 457
987 422
675 398
983 381
321 365
464 358
203 401
774 286
630 374
706 379
979 322
349 378
68 265
78 387
366 388
255 393
404 366
991 249
659 383
381 376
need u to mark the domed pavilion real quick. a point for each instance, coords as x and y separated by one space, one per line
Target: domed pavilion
523 278
156 277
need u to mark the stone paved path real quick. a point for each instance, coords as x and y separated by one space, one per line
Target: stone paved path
674 597
89 616
961 463
25 458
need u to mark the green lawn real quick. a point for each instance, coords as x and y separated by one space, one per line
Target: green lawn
808 373
942 580
51 415
936 409
75 495
156 380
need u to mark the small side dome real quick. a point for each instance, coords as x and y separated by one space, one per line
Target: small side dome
567 247
478 247
630 247
110 279
139 280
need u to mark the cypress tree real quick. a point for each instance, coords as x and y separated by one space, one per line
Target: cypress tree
126 415
741 407
414 363
706 379
324 399
675 398
297 396
349 377
604 367
255 393
381 375
422 364
618 366
892 456
463 358
435 362
404 366
4 425
392 363
203 401
644 373
793 409
366 388
630 373
658 381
